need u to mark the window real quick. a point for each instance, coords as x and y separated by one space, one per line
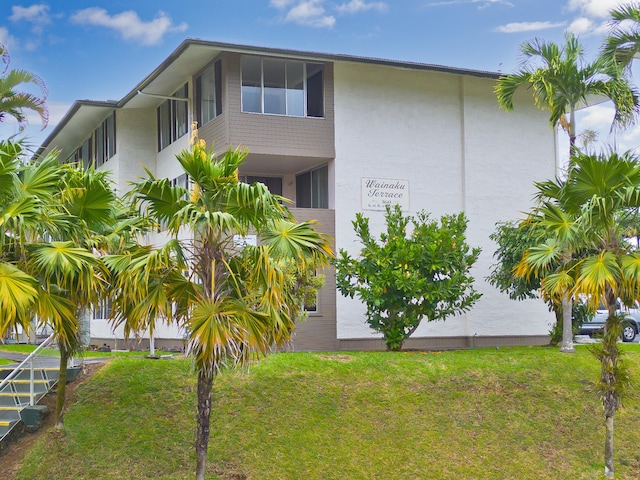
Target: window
282 87
312 188
172 118
183 181
102 311
100 146
274 184
209 93
311 305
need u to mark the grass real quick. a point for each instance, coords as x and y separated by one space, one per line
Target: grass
513 413
53 352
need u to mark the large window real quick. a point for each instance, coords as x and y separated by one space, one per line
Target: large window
100 146
209 93
172 118
274 184
312 188
282 87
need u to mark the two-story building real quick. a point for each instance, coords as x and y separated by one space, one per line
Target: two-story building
337 135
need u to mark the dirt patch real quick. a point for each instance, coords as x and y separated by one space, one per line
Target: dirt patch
340 358
14 450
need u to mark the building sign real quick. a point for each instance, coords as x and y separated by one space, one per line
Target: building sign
377 193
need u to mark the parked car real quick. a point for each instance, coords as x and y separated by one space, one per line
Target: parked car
630 324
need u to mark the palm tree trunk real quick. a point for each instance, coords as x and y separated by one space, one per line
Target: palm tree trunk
62 388
567 325
205 383
608 447
609 377
572 132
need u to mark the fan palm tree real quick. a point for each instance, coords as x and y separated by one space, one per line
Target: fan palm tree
14 102
600 193
623 41
235 302
51 219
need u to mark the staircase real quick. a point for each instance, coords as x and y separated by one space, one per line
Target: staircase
24 385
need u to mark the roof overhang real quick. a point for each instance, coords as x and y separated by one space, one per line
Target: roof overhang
191 56
75 126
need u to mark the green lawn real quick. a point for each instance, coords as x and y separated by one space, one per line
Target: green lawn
513 413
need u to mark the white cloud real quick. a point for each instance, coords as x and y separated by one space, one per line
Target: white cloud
594 8
481 3
580 26
281 3
629 140
527 26
129 25
38 14
6 39
356 6
313 13
305 12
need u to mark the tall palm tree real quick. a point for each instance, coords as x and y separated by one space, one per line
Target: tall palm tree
623 41
235 302
14 102
599 194
561 81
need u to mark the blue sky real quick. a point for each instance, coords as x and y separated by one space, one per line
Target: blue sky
100 50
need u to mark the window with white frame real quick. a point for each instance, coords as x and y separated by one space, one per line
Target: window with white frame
209 93
282 87
311 306
102 311
312 188
172 118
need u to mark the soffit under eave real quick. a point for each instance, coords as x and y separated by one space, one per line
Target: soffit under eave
77 128
168 78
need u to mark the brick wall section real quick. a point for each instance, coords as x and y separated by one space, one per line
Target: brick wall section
318 332
277 134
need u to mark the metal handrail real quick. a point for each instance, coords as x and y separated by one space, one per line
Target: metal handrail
27 360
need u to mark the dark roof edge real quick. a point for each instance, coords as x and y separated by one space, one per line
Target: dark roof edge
232 47
69 115
339 57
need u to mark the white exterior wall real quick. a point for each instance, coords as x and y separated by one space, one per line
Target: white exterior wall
135 146
446 136
136 141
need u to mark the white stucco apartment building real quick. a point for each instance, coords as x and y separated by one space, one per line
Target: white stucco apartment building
321 129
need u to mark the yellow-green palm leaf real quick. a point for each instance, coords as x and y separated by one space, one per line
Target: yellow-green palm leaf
18 292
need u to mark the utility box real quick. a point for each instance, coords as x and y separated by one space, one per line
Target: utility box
32 417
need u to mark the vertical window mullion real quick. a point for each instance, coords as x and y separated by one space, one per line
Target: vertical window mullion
304 88
261 85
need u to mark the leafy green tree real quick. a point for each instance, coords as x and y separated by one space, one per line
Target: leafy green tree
14 102
600 191
235 302
419 268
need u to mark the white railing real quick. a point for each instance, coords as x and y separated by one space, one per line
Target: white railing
30 362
